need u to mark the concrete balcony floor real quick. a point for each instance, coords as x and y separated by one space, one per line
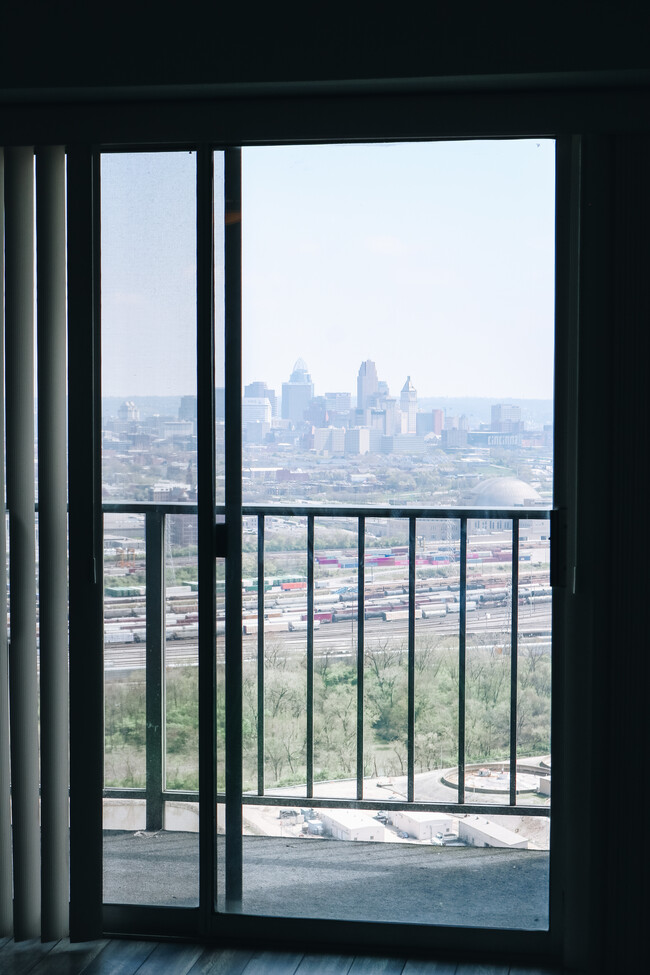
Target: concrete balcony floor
285 876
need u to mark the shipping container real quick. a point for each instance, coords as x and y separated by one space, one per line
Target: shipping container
298 625
401 614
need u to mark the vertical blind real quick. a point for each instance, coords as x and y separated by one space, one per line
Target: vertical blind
33 795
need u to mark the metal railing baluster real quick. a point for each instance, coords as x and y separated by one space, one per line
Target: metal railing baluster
462 637
410 789
513 661
155 669
260 655
310 656
361 618
155 792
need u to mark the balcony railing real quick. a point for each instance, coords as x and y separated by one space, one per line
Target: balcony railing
156 794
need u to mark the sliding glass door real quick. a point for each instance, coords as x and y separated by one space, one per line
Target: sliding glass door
327 444
388 650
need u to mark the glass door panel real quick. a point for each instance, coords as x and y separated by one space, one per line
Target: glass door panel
149 451
396 478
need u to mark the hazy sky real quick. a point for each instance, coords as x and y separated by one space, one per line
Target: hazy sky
433 259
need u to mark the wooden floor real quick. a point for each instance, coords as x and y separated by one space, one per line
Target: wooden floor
117 957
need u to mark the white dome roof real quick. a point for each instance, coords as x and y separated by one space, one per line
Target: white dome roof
505 492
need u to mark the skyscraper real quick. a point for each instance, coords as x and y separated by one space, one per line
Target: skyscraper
257 389
392 422
187 408
367 384
506 418
297 394
128 412
408 403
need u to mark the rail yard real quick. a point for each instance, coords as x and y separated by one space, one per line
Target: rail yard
284 614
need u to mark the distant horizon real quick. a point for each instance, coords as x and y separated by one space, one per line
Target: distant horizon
434 259
533 405
469 396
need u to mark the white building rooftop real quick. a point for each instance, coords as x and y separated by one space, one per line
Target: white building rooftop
427 817
349 818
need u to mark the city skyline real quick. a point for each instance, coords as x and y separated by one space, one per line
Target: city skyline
439 254
380 390
486 402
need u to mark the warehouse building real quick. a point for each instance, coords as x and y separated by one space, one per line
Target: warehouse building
350 824
476 831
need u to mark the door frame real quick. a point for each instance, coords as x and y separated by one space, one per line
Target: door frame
88 917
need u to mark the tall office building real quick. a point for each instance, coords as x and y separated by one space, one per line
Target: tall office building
261 390
357 441
392 419
297 394
408 402
128 412
256 409
317 413
367 384
382 389
506 418
431 422
256 418
340 402
187 408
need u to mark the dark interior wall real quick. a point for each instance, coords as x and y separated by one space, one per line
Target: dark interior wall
198 42
91 46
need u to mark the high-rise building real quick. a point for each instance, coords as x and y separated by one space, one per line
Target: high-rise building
392 421
297 394
328 440
128 412
506 418
357 440
367 384
382 389
317 413
256 408
256 418
259 389
187 408
408 402
429 422
339 405
454 437
338 402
